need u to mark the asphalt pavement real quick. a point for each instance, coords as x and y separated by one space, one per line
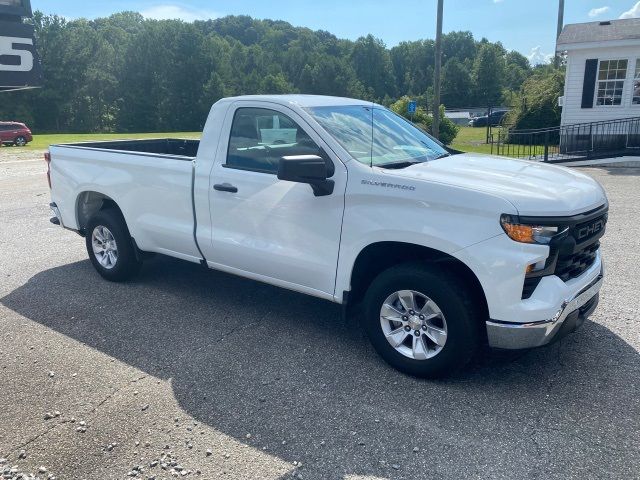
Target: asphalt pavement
198 374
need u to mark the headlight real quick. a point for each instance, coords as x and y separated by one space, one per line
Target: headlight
519 232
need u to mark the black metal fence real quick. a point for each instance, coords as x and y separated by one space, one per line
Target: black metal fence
581 141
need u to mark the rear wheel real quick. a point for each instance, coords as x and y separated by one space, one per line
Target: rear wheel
421 319
110 247
20 141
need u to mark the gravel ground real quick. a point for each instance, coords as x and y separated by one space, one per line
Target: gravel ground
196 374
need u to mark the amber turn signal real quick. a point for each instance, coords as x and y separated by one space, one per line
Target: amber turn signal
527 233
519 233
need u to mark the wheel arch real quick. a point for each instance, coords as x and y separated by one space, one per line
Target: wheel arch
377 257
88 203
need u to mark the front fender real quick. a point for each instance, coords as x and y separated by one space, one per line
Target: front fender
440 217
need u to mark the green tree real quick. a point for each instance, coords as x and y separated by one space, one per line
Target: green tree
413 64
275 84
458 45
128 73
372 65
517 70
457 87
488 74
538 107
514 58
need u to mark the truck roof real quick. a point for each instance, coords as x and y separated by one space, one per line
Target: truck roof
303 100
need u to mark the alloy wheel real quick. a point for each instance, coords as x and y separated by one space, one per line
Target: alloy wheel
413 324
104 246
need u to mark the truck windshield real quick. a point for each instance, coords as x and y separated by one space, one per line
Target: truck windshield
378 137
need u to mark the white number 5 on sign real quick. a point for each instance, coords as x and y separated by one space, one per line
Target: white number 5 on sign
7 47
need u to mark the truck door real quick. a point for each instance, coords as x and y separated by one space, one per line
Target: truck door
268 229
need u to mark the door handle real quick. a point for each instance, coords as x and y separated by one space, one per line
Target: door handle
225 187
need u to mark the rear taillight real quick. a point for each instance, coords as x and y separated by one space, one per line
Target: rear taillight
47 158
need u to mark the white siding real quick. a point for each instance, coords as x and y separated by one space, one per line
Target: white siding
572 112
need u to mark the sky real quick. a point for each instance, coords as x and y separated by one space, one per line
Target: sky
528 26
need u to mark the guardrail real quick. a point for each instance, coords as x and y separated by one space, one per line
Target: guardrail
581 141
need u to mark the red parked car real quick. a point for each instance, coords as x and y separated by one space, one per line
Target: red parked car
14 133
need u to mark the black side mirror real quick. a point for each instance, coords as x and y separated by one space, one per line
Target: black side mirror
310 169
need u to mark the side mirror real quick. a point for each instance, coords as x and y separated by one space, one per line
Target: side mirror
310 169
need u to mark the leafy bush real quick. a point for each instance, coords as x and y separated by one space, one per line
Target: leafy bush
448 129
538 105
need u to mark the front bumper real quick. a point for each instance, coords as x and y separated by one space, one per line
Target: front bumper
568 318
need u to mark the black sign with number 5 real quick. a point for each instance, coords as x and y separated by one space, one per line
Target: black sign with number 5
19 62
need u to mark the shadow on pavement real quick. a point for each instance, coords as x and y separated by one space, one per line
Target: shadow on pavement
246 357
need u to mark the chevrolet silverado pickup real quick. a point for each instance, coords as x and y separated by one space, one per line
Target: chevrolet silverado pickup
344 200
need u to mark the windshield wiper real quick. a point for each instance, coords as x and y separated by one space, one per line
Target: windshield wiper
398 165
408 163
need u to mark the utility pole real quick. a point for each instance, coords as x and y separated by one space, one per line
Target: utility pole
556 59
435 128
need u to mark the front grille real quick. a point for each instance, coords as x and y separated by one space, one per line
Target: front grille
590 229
573 253
574 265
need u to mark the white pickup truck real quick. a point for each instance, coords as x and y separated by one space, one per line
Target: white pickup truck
346 201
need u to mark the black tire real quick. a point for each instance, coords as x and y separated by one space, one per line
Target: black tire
127 263
454 299
20 141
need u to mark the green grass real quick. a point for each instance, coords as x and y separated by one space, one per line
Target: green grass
470 139
42 142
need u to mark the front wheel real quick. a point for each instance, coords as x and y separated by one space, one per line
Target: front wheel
110 247
421 319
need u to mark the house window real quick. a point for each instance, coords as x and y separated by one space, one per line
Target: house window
611 75
636 84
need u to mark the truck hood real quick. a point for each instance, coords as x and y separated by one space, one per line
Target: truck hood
532 187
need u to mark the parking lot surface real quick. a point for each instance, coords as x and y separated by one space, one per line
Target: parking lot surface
214 376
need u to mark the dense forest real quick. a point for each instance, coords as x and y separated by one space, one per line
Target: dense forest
126 73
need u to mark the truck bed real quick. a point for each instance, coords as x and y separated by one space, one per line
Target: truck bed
166 147
152 181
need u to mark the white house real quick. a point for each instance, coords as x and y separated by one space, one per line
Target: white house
603 71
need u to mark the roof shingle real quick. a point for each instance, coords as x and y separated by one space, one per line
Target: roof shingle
626 29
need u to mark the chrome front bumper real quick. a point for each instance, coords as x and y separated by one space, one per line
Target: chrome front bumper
535 334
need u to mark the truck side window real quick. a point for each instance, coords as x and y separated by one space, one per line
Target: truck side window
260 137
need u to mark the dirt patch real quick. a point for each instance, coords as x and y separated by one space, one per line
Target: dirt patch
11 154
